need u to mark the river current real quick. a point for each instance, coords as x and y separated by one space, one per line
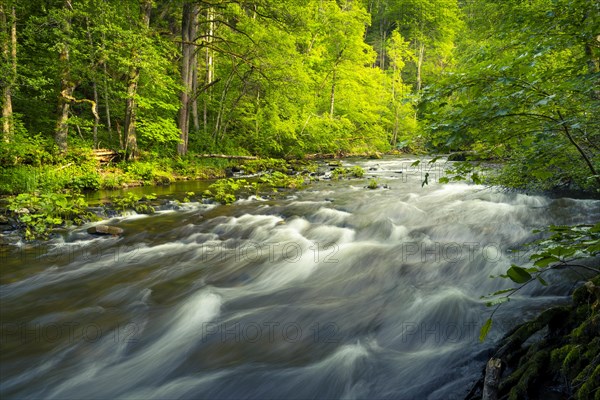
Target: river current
333 291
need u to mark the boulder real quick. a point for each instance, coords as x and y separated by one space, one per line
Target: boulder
105 230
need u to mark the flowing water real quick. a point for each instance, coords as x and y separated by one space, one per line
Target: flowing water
335 291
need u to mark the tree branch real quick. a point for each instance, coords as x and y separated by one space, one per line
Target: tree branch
74 100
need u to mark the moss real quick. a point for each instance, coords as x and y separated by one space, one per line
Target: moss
566 361
590 384
528 374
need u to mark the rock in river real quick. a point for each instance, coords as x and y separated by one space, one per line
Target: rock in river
105 230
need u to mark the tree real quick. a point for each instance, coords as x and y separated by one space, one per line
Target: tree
67 85
131 146
534 89
403 112
8 37
189 67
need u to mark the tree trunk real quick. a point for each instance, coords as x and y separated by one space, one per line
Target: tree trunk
96 116
382 35
332 98
210 76
95 90
130 110
420 65
593 66
131 148
9 47
106 103
66 89
227 156
395 106
187 51
194 105
219 117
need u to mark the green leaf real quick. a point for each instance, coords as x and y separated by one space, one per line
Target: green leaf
496 293
562 251
594 248
495 302
542 281
518 274
415 163
545 261
485 329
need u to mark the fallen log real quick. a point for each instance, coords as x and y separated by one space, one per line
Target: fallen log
105 155
226 156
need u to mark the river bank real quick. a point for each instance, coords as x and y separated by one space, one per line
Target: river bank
34 215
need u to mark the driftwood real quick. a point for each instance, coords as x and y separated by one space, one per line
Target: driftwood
226 156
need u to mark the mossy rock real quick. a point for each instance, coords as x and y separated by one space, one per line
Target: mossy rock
565 362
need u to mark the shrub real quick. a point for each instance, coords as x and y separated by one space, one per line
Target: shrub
39 214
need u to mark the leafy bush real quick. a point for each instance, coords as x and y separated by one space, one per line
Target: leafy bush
356 172
265 164
338 172
113 179
27 150
151 173
39 214
86 181
18 179
132 201
224 190
283 181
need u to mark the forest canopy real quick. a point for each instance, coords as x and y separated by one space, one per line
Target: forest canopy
514 82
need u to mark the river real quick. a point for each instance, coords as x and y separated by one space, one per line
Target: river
333 291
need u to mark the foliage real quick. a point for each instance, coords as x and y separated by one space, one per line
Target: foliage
534 79
356 172
284 79
265 164
32 150
40 213
132 201
373 184
224 190
562 249
187 197
280 180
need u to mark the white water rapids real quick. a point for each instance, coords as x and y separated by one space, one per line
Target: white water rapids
335 291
